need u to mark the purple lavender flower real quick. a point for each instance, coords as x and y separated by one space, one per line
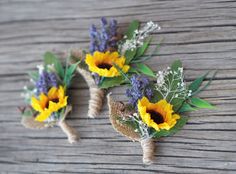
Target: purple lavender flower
139 88
113 27
101 41
45 82
52 79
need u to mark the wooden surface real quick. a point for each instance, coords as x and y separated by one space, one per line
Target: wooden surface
202 33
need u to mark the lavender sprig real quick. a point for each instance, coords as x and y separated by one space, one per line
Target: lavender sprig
139 88
104 39
45 82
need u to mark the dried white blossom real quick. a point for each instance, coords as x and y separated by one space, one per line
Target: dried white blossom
51 68
138 37
170 84
40 68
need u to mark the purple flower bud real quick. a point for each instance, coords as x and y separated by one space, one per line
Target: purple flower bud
104 21
139 88
113 27
105 38
45 82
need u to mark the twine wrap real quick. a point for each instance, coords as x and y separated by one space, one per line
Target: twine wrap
117 111
71 133
96 94
148 147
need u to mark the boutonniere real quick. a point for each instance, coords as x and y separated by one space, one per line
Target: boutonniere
46 97
156 109
113 53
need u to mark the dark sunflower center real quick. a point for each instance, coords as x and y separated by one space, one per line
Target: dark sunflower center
56 100
104 66
156 116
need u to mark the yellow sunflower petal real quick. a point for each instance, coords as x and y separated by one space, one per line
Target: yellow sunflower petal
43 99
43 116
94 61
162 108
52 93
36 104
61 92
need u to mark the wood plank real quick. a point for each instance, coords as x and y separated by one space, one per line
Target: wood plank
200 33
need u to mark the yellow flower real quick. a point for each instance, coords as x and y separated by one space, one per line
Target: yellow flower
102 63
157 115
47 104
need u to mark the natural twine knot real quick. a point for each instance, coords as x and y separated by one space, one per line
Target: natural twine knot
148 147
71 133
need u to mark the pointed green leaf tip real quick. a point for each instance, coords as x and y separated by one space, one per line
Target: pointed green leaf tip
134 25
70 73
111 82
197 83
145 70
200 103
175 65
50 58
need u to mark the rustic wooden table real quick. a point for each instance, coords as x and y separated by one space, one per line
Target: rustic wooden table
202 33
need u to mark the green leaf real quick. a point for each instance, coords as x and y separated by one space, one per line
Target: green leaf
129 55
163 133
197 82
122 73
177 103
34 75
134 25
141 50
204 87
50 58
69 73
186 108
157 96
133 70
111 82
200 103
144 58
145 69
175 65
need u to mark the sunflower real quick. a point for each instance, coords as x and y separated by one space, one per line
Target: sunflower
157 115
103 63
47 104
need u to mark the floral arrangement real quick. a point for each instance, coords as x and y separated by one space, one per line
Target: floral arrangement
46 98
156 109
113 53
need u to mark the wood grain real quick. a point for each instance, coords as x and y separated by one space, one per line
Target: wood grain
202 33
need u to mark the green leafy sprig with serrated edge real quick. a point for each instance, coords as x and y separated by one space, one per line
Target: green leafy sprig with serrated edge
134 58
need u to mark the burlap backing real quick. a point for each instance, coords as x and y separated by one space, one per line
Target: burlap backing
117 110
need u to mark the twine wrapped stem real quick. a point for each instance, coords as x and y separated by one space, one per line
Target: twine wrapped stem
148 147
96 94
71 133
